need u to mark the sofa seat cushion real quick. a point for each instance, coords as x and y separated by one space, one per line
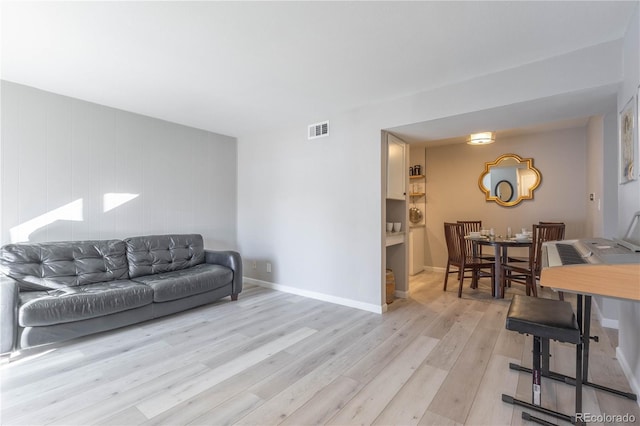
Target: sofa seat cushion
187 282
68 304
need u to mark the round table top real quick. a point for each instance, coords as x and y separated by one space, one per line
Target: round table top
487 241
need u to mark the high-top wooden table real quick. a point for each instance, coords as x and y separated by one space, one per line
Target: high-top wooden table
620 281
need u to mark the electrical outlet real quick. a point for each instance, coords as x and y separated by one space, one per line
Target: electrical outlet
268 266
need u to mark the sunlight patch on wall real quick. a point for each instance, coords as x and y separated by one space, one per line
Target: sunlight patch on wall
71 211
111 200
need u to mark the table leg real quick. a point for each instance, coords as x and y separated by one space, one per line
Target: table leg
586 331
503 260
497 273
474 254
584 321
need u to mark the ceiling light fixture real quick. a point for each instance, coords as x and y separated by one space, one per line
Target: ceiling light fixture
483 138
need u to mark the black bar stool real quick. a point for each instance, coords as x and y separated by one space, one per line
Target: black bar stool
545 319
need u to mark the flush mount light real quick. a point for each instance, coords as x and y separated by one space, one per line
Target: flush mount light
483 138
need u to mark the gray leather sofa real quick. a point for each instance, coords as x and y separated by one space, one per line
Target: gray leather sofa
51 292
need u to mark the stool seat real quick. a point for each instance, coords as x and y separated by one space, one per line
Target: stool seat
547 318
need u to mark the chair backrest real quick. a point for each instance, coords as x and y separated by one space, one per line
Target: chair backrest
454 236
470 226
561 237
541 233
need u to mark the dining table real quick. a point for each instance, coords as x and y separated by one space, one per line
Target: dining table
501 247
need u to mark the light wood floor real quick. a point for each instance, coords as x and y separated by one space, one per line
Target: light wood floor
275 358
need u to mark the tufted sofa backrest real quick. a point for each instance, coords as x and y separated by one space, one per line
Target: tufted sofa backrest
155 254
45 266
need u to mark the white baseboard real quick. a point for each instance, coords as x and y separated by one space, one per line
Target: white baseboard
633 382
605 322
318 296
609 323
401 294
434 269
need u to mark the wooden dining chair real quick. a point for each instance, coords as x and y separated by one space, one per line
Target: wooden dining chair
457 257
523 259
528 273
473 226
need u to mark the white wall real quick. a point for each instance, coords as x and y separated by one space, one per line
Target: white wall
604 206
610 175
313 208
594 178
629 202
60 156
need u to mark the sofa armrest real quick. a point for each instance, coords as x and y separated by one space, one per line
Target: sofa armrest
8 313
230 259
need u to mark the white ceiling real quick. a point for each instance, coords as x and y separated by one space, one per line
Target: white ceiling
545 114
239 67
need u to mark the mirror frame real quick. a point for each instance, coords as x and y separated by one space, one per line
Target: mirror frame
517 200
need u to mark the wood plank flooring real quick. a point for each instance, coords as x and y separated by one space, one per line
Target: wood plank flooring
275 358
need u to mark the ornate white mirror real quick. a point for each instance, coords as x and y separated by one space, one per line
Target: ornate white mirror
509 180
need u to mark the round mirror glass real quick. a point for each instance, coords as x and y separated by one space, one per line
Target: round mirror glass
509 180
504 191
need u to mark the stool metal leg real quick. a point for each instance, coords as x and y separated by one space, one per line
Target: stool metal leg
546 354
583 316
528 417
511 400
536 380
536 388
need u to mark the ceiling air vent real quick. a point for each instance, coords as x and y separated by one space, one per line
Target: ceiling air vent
319 130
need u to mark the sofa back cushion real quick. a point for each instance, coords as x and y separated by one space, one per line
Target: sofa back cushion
154 254
46 266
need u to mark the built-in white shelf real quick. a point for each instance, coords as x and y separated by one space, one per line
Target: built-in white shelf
394 238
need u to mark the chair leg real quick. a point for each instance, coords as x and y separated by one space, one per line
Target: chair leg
527 286
446 276
534 289
460 285
503 282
